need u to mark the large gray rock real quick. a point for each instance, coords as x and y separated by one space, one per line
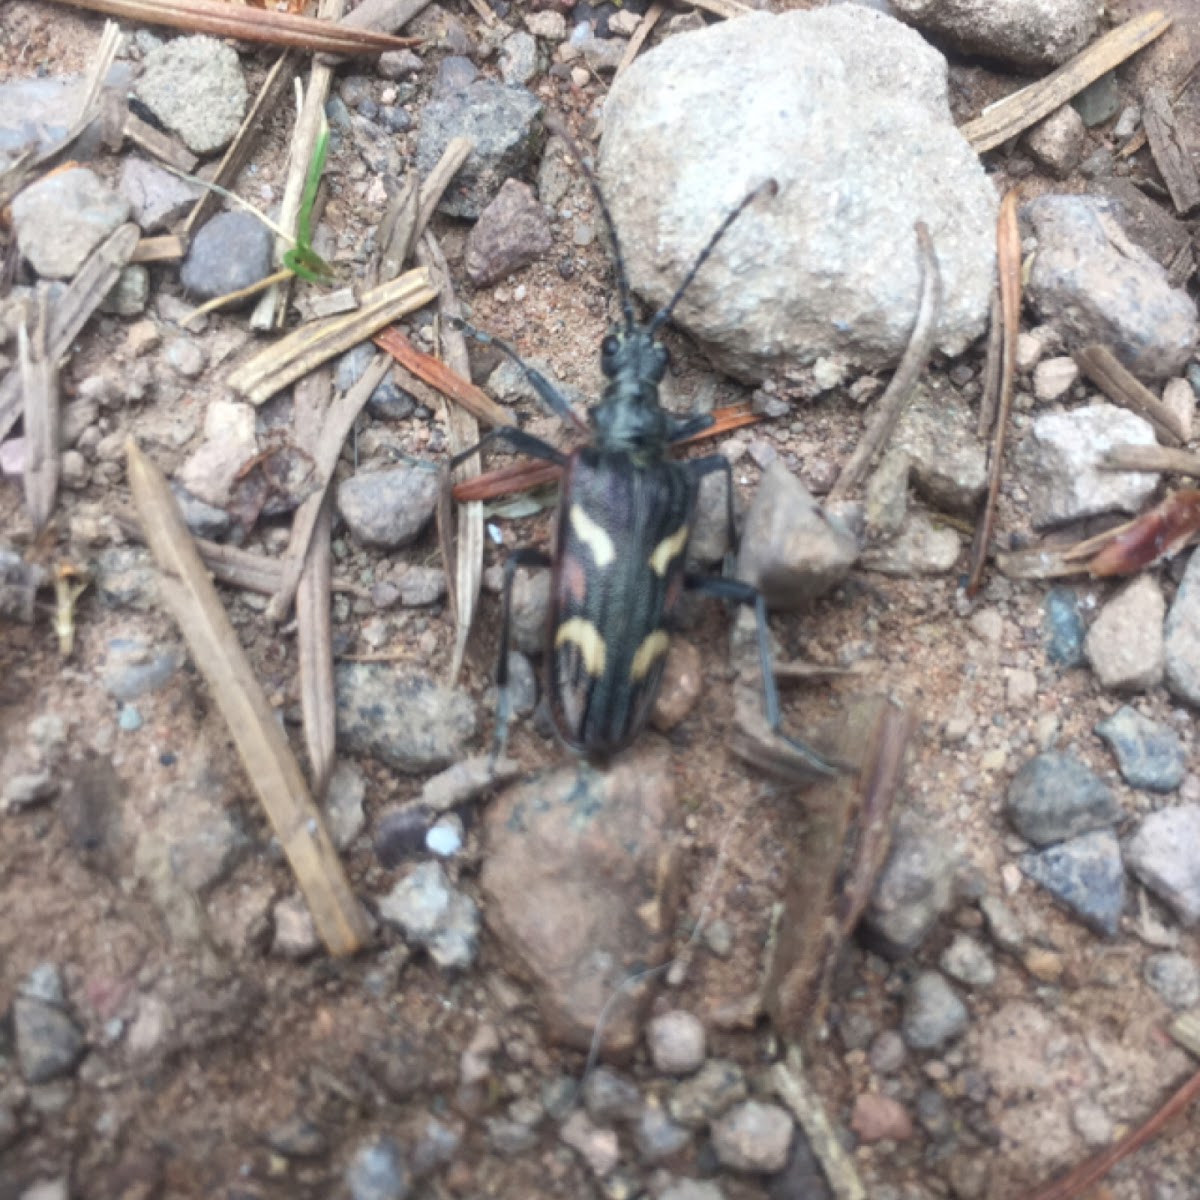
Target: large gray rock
847 110
1039 34
62 218
1093 284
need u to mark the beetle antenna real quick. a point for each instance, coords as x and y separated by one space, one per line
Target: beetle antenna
556 127
660 318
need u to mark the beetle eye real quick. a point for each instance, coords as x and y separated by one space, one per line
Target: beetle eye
610 346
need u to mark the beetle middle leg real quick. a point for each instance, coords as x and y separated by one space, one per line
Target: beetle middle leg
739 592
523 557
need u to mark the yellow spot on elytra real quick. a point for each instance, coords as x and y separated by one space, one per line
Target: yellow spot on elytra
654 646
668 549
586 638
593 537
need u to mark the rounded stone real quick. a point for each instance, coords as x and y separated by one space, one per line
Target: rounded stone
677 1042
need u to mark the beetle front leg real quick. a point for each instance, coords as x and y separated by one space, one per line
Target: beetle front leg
746 593
517 558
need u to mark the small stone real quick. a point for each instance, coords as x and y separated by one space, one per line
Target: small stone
186 357
658 1137
1044 965
596 1146
682 681
295 934
344 804
1058 142
948 459
1175 978
1182 637
1164 854
512 231
133 668
933 1012
129 720
753 1136
1092 1123
27 791
1053 378
1179 397
158 197
1021 688
1126 644
1086 875
378 1172
968 961
204 520
1150 755
610 1096
398 64
677 1043
49 1043
1030 349
432 914
298 1138
1054 797
887 495
922 547
445 837
128 296
1099 101
230 252
390 508
717 1086
887 1053
1002 923
879 1118
718 937
435 1144
547 24
518 58
1064 628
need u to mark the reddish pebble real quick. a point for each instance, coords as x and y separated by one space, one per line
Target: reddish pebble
879 1118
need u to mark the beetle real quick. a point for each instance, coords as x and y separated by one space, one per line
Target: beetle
624 518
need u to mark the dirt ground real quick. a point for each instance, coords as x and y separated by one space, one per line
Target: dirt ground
249 1041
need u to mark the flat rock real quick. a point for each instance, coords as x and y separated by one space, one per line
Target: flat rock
49 1043
1164 854
1033 34
1125 644
230 441
402 718
36 113
791 551
512 231
1059 460
1182 634
949 462
847 110
580 879
157 197
195 86
1086 875
230 252
933 1012
1091 282
1149 754
499 121
63 217
1058 142
1175 978
1054 797
923 546
391 507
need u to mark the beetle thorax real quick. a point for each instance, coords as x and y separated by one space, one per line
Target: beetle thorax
629 416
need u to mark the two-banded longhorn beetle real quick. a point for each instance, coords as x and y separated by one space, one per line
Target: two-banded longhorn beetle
624 518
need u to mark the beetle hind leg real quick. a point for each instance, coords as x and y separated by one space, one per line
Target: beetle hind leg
739 592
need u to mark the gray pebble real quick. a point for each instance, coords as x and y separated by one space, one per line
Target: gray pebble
352 365
400 834
298 1137
27 791
1002 924
388 509
230 252
511 232
677 1042
49 1043
344 803
518 58
129 295
1150 755
133 669
968 961
610 1096
1164 854
185 357
1063 627
158 197
454 73
445 838
1175 978
129 719
1125 644
658 1137
933 1012
887 1053
204 520
718 937
753 1136
1086 875
378 1172
398 64
436 1144
1054 796
713 1089
430 913
1099 101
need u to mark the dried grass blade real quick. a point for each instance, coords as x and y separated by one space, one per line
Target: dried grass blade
165 248
1185 1029
726 9
314 618
457 151
82 297
1152 458
39 383
899 390
1015 113
640 34
305 349
1008 257
166 147
266 756
1100 365
1038 563
449 382
1170 153
248 24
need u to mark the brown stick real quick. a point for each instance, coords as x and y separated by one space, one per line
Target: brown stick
39 382
1008 252
1100 365
899 390
1152 458
1170 154
268 760
992 371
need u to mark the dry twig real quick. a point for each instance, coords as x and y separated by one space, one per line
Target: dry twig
39 383
640 34
1152 458
1170 153
1014 114
1008 254
165 248
1100 365
268 760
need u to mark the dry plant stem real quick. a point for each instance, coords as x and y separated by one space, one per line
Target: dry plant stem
1076 1184
306 348
1170 154
1037 563
457 151
266 756
271 310
163 146
238 153
1016 113
248 24
464 433
899 390
482 11
339 420
640 34
84 294
1152 458
794 1090
395 236
990 397
1008 255
450 383
251 289
1186 1031
1100 365
167 248
39 382
314 614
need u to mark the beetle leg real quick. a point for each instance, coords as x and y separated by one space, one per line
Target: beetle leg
526 557
697 468
686 427
554 400
518 439
746 593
